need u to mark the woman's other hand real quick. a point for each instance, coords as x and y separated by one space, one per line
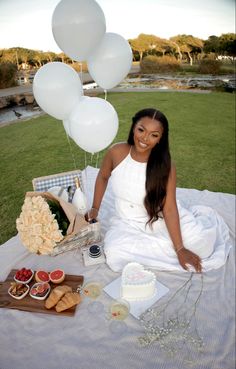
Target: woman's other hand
187 257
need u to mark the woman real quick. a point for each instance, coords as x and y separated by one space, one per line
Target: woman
147 226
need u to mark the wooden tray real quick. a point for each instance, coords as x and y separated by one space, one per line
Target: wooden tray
33 305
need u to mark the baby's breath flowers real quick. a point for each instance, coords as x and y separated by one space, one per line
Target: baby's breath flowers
38 229
173 325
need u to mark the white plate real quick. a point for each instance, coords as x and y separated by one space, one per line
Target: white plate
136 307
24 282
39 297
21 296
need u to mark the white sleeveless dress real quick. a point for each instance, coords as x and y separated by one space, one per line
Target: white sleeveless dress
129 238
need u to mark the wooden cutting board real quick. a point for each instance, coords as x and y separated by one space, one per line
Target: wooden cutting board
33 305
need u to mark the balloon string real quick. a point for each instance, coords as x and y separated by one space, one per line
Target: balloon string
105 92
81 75
85 159
71 151
81 72
97 159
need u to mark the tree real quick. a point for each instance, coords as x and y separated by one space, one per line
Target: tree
139 44
224 45
9 55
49 56
227 44
17 56
38 57
145 44
187 44
167 47
8 74
212 45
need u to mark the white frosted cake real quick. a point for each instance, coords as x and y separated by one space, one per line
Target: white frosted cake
137 284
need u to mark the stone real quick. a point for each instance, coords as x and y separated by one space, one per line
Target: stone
29 98
4 102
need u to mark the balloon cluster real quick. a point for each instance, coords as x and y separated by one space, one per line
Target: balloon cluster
79 29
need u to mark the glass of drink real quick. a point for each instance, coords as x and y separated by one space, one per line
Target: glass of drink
119 309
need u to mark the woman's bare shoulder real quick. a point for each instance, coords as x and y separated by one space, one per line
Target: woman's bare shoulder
118 152
123 147
173 167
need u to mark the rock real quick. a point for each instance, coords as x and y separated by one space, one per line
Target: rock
19 99
4 102
29 98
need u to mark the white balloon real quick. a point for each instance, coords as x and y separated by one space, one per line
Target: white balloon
78 26
57 88
111 61
66 122
93 124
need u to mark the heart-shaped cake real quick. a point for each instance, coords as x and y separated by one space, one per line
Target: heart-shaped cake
137 283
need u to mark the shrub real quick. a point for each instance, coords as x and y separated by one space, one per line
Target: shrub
209 66
8 72
159 64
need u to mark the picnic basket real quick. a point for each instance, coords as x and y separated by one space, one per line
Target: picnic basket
89 233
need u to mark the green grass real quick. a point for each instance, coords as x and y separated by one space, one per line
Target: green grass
202 131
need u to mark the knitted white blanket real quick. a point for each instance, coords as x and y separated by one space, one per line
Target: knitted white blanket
89 341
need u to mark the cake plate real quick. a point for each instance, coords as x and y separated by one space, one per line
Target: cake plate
136 307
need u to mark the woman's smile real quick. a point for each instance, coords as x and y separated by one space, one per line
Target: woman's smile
143 145
147 133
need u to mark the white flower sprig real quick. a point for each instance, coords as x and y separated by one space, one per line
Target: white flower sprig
38 229
173 324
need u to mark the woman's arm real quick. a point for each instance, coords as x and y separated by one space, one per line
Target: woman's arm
101 184
171 216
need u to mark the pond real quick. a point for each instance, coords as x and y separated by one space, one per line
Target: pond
16 113
224 83
207 82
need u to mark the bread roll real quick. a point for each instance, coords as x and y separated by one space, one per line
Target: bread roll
56 294
69 300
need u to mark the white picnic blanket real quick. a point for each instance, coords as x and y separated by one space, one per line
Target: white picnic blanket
88 340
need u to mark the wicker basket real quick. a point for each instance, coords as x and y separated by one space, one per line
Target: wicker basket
64 180
89 234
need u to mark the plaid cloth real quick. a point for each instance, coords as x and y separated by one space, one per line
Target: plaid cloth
64 180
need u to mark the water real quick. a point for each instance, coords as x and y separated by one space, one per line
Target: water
164 82
7 115
158 82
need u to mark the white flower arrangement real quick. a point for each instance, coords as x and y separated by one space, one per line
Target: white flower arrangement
38 229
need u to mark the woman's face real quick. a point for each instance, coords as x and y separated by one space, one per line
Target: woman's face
147 133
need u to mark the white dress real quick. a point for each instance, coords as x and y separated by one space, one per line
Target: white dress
129 238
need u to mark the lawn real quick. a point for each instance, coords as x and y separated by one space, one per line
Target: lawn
202 140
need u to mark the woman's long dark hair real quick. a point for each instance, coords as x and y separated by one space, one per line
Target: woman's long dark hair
158 165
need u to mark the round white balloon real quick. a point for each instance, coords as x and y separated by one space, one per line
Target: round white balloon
93 124
111 61
78 26
66 122
57 88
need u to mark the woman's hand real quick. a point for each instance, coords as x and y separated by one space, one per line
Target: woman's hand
186 257
91 214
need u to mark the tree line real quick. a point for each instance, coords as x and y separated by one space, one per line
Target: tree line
24 58
182 47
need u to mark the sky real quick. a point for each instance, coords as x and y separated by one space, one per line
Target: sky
27 23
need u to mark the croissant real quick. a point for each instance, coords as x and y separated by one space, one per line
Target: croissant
56 294
68 300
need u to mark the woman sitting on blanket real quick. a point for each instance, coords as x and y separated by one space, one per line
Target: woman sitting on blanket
149 226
